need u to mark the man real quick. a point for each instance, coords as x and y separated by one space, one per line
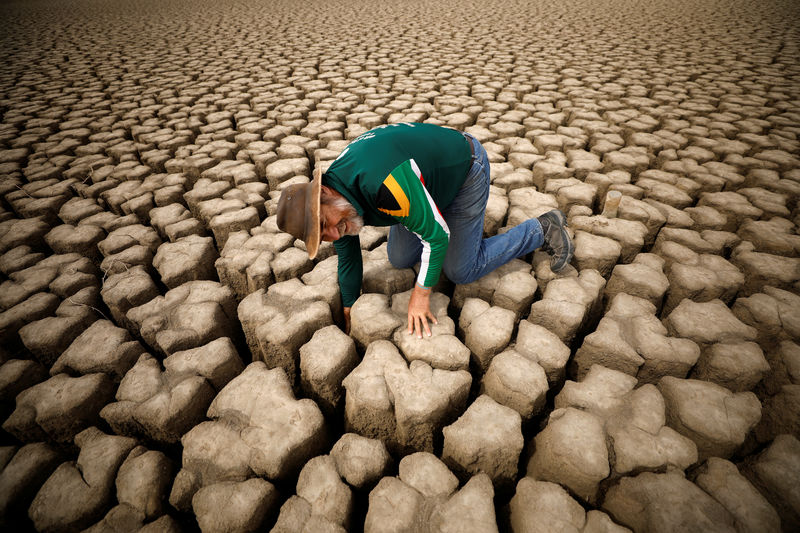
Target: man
431 185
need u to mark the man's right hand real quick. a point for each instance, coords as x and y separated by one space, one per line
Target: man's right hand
419 312
346 319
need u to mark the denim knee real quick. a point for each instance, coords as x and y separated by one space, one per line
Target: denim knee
396 263
460 275
399 260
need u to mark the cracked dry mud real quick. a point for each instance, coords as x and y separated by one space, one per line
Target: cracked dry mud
170 361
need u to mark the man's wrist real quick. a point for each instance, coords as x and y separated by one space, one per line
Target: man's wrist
424 288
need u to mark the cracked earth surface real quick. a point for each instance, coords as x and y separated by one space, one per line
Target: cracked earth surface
170 361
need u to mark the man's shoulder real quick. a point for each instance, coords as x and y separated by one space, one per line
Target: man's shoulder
385 132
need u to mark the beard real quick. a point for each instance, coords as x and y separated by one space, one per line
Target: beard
350 216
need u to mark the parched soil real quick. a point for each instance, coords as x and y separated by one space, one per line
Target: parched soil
171 361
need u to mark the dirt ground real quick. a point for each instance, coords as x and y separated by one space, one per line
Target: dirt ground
169 360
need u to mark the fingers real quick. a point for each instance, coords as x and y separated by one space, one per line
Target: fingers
427 328
421 323
417 324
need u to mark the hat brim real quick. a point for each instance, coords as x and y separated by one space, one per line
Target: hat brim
313 230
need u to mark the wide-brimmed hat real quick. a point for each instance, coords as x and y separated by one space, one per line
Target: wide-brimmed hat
298 212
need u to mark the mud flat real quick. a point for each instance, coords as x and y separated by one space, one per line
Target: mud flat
170 361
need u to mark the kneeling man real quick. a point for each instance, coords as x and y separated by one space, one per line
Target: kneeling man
431 185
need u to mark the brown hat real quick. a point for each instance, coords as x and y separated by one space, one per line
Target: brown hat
298 212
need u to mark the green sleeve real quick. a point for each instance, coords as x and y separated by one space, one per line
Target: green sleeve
350 268
403 196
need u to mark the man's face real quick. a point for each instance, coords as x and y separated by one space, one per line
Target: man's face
337 217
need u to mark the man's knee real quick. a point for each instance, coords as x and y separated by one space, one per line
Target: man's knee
396 262
458 274
399 258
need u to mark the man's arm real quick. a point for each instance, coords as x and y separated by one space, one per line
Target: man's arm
350 270
403 196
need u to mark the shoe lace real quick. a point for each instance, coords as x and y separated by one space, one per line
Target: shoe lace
546 241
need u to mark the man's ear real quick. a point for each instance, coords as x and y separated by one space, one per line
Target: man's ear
327 191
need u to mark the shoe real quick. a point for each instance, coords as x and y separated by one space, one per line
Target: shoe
556 239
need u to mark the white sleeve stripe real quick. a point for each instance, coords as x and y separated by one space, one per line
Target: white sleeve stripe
424 261
415 168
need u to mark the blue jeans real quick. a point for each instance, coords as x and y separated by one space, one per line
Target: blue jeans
469 256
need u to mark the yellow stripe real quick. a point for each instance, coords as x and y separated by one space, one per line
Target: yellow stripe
399 195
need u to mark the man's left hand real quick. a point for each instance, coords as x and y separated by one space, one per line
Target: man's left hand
419 311
346 311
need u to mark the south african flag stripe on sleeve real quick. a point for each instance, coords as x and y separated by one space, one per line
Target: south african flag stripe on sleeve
392 198
403 196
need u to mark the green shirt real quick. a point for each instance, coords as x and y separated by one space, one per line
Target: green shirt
399 173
